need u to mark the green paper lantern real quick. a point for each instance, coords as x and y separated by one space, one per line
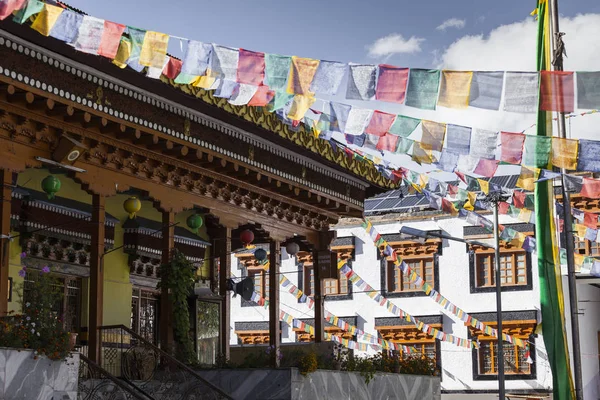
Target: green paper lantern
51 185
194 222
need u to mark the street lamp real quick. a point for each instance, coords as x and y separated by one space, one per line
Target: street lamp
493 198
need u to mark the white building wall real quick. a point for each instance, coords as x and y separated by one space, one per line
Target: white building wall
454 284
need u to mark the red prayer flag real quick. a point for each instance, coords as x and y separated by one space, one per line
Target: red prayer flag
387 142
251 67
511 147
452 189
380 123
173 68
590 220
486 167
503 207
262 97
557 91
7 7
461 176
519 199
391 84
111 37
590 188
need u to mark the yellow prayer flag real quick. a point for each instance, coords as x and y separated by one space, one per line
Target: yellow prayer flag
300 105
484 185
205 82
580 230
421 155
579 261
518 240
154 49
527 178
564 153
455 89
524 215
471 199
123 53
433 135
46 19
302 72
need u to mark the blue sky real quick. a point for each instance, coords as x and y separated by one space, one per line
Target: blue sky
338 30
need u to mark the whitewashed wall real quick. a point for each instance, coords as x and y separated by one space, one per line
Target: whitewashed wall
457 374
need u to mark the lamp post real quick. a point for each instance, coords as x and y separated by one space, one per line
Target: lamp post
492 198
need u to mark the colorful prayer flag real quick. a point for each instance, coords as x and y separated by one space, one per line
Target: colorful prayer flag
486 89
527 178
458 139
251 67
358 118
387 142
448 161
7 7
196 59
511 147
521 92
483 143
301 74
361 82
588 90
421 155
590 188
564 153
173 68
404 126
589 155
123 52
224 62
277 69
300 106
89 36
154 49
137 40
537 151
111 39
455 89
486 167
328 77
46 19
403 145
31 8
433 135
262 97
66 27
391 83
243 94
423 86
380 123
557 91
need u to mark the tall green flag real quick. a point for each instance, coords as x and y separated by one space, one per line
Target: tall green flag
551 294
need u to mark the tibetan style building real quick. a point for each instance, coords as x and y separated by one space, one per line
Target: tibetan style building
75 126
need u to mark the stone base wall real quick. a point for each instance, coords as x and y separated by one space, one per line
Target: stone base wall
22 377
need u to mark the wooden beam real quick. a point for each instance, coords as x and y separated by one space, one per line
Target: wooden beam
5 201
223 242
166 314
96 306
274 326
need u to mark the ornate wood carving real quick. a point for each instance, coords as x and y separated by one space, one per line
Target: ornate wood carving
253 337
520 329
415 249
405 333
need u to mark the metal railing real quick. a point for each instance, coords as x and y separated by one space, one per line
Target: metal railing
131 357
96 383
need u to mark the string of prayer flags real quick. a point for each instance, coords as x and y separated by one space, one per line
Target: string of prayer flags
423 85
455 89
277 70
7 7
486 168
156 72
564 153
262 97
433 135
66 26
537 151
421 155
387 142
46 19
486 90
328 77
154 49
301 74
300 105
358 119
589 156
448 161
224 62
31 8
111 39
590 188
588 89
196 58
251 67
521 92
511 147
89 36
391 84
380 123
403 145
557 91
483 144
361 82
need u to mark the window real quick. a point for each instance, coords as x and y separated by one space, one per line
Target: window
69 305
398 282
261 281
587 247
144 314
409 335
332 287
515 359
513 269
309 279
426 349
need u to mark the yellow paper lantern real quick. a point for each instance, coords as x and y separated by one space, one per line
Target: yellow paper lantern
132 205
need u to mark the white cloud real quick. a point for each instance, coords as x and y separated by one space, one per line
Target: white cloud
452 23
394 44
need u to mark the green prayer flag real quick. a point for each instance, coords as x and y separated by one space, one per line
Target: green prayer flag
588 90
472 184
185 79
423 87
550 280
403 145
33 7
404 126
530 201
537 151
277 70
279 101
513 211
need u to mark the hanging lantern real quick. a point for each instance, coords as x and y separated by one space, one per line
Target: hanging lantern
132 205
246 237
51 185
194 222
260 254
292 248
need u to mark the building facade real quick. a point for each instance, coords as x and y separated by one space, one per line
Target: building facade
464 274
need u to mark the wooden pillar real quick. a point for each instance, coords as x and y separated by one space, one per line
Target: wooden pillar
5 202
319 303
166 313
96 278
274 326
224 253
